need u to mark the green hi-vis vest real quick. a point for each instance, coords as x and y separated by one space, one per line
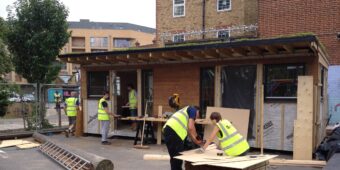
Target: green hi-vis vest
179 123
132 99
71 108
232 143
102 115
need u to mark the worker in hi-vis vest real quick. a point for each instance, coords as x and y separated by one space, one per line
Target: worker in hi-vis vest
231 142
132 104
104 117
72 107
176 130
57 99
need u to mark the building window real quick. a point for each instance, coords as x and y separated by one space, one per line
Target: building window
281 80
178 8
122 42
178 38
224 34
98 82
99 42
223 5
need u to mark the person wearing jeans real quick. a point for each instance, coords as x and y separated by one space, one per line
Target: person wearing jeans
104 117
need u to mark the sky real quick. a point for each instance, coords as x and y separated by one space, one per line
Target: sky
141 12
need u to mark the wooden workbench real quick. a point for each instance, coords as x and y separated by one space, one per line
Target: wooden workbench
159 121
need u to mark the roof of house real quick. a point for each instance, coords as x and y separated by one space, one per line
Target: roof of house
87 24
292 46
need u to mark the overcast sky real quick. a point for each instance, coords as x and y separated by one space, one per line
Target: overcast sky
141 12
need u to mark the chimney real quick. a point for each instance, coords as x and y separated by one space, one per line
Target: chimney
84 20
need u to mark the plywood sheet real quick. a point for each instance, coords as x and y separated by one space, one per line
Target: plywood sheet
303 143
9 143
28 145
239 118
303 126
241 162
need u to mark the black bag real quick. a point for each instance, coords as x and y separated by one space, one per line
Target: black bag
329 146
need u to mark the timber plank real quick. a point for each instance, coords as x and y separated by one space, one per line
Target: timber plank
303 126
239 118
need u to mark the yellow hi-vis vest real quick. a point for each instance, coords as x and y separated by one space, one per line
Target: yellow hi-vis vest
132 99
179 123
71 108
232 143
102 115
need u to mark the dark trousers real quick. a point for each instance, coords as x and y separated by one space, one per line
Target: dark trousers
175 145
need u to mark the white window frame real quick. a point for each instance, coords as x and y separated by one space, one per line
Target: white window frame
228 9
177 5
223 30
173 38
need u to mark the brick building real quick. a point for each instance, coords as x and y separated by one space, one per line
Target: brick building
282 17
185 20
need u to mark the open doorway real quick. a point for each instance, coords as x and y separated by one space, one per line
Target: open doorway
126 78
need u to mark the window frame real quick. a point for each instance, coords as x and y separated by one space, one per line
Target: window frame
223 10
101 42
228 30
126 39
173 38
107 86
177 5
265 80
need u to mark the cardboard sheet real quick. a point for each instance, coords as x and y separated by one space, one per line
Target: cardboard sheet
239 118
9 143
28 145
210 158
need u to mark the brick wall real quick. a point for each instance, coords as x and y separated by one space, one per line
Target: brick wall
282 17
181 79
165 22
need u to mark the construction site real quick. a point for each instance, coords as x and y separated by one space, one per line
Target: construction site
224 84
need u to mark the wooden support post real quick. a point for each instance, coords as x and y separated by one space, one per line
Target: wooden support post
79 124
259 80
262 118
159 126
139 91
218 92
282 126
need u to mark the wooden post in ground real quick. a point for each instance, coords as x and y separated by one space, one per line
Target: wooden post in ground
262 118
159 126
79 123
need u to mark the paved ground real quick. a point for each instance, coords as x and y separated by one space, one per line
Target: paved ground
17 123
121 152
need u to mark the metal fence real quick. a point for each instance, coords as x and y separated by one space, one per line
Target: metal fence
31 108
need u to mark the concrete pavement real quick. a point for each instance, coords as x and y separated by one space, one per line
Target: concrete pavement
121 152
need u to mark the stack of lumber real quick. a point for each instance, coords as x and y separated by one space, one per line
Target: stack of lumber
19 143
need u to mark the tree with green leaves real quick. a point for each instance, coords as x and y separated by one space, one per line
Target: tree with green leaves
37 33
5 67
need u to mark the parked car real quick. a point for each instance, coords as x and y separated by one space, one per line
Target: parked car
28 98
14 97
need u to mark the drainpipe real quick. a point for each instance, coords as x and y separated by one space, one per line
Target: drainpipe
203 19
